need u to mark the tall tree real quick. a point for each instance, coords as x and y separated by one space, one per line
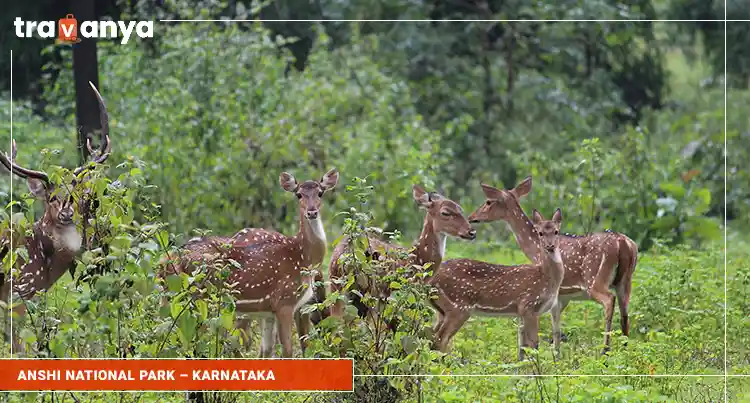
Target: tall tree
85 69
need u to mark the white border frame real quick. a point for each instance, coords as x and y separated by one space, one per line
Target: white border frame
726 374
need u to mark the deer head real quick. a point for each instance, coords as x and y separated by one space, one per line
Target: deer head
548 231
445 215
310 193
58 200
500 203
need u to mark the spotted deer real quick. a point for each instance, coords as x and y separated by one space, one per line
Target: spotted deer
443 218
594 263
55 240
212 250
270 279
468 287
204 249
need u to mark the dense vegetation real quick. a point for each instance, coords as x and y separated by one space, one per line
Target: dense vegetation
621 125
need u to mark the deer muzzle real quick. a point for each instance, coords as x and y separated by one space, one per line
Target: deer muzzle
65 217
470 235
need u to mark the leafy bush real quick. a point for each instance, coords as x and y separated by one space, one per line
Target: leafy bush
376 349
228 124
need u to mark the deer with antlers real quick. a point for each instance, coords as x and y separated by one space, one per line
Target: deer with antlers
466 287
273 278
443 217
594 263
55 240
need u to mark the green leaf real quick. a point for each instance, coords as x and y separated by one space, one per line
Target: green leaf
202 309
28 336
57 347
174 309
704 227
703 196
409 344
174 283
162 237
227 320
187 326
674 189
665 223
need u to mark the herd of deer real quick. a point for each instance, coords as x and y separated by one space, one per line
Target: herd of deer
275 275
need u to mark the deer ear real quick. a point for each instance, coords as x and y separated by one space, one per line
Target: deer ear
421 197
330 179
38 188
490 192
557 217
536 217
435 196
523 188
288 182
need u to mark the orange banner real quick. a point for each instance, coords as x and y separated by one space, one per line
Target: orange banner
176 374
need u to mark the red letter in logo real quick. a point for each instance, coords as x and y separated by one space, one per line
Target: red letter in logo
67 29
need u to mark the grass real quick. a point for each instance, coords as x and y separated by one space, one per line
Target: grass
677 316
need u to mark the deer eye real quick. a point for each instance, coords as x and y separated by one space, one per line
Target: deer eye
557 232
299 195
488 202
445 213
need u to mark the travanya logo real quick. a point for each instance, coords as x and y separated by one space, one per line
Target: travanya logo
68 30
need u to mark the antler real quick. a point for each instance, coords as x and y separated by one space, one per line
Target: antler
104 151
106 146
10 165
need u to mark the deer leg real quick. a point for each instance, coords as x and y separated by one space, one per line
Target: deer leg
268 337
604 297
303 329
19 349
337 309
530 333
4 294
623 299
284 321
628 259
452 323
440 304
556 313
521 339
439 318
243 324
320 297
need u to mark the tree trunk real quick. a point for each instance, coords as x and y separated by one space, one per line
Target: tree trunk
85 69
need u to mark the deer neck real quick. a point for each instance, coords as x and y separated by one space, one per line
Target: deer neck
523 229
552 266
56 250
312 239
431 246
61 238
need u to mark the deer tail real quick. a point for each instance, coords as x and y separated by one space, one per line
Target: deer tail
628 259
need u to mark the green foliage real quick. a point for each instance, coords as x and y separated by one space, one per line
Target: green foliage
113 309
228 125
203 123
711 35
398 297
626 189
